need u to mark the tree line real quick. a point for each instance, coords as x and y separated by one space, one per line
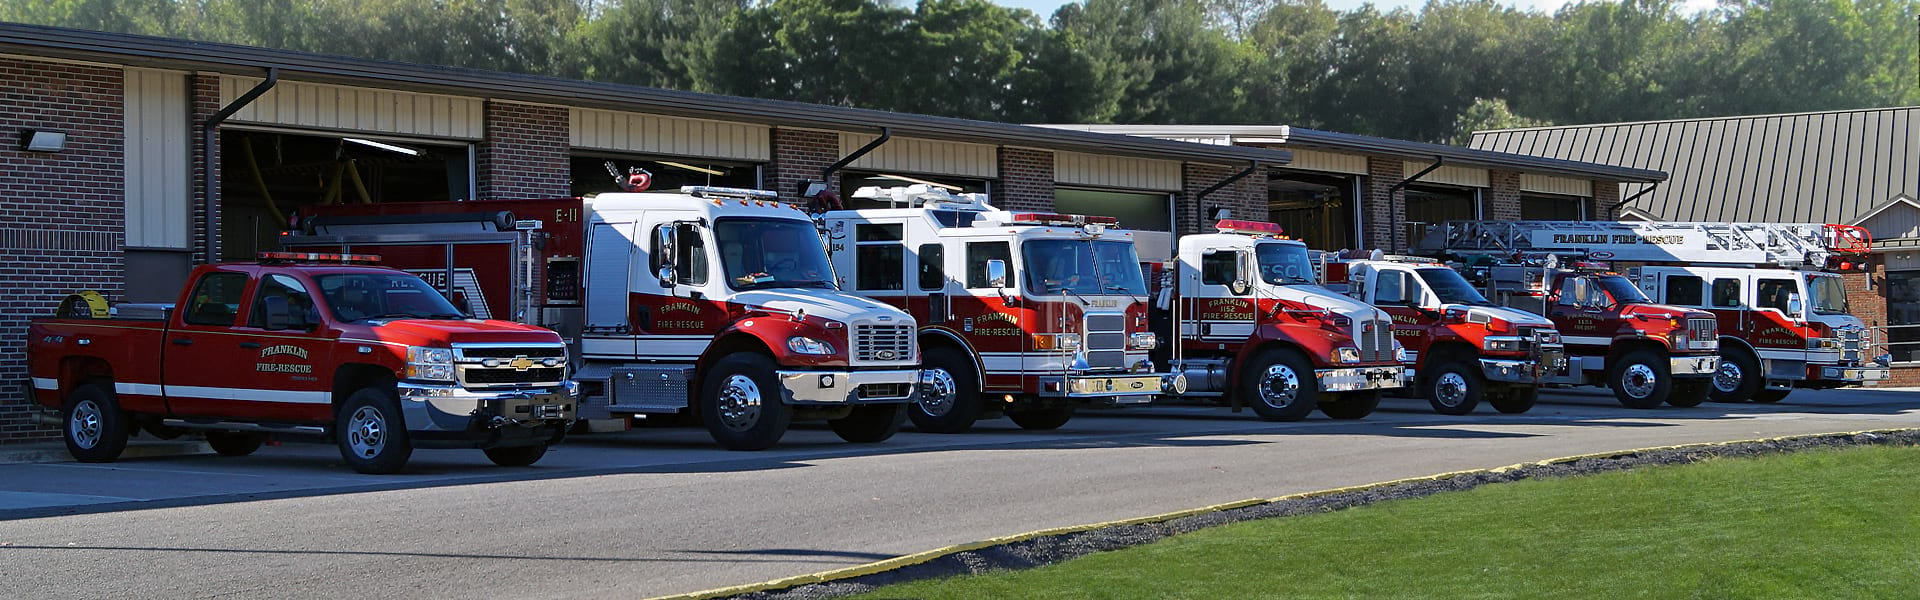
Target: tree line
1435 73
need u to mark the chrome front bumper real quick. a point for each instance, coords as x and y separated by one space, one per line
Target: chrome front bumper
438 407
1123 389
1855 374
1693 366
845 387
1504 370
1355 379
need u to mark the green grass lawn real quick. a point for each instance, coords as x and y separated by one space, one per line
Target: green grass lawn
1816 524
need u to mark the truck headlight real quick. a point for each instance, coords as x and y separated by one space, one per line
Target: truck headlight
1400 353
1506 344
1145 340
1066 342
800 344
429 364
1820 343
1347 354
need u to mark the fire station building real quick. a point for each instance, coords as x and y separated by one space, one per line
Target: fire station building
129 159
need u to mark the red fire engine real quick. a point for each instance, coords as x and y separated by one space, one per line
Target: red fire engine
1257 329
1024 314
708 305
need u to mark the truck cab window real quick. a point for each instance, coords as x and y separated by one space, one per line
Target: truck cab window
216 299
1726 293
299 302
1390 287
1772 293
1575 290
978 253
1685 290
1219 268
879 257
933 267
691 261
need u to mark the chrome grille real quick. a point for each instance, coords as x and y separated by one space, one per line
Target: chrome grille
1375 339
1106 341
1702 333
1853 344
1106 322
882 343
510 366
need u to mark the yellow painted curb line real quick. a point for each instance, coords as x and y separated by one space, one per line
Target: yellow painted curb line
921 557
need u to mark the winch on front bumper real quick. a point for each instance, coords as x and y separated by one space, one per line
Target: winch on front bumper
1354 379
455 417
848 387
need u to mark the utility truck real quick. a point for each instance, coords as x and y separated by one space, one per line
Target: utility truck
703 305
1463 347
1022 314
302 345
1255 328
1775 291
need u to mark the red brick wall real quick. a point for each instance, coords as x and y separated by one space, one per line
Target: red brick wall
1246 198
206 101
1606 200
64 226
525 152
1381 210
1026 180
1503 196
1871 306
799 155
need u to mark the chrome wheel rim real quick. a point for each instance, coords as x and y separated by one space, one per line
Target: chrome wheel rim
84 425
1727 379
1279 386
937 391
367 432
739 402
1450 389
1639 380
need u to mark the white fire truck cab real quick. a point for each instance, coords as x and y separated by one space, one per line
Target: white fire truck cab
1026 315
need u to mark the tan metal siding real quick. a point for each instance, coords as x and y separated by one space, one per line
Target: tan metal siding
1555 185
1331 162
158 186
932 157
673 136
1897 221
323 106
1447 174
1074 168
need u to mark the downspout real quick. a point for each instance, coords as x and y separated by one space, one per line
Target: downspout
1394 215
1636 196
826 175
1200 208
206 152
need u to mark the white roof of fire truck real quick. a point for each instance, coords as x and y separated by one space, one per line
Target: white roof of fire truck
947 210
1794 245
717 201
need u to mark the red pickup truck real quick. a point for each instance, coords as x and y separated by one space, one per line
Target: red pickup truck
325 346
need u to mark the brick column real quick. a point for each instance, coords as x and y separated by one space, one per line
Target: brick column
1503 196
525 152
799 155
1381 209
1606 200
205 88
1026 180
64 229
1246 198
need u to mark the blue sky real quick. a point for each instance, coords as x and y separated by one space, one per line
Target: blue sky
1045 7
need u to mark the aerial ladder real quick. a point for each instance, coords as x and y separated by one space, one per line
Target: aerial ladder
1788 245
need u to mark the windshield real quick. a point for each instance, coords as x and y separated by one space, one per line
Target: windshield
1451 287
363 296
1284 264
759 252
1622 290
1826 295
1083 267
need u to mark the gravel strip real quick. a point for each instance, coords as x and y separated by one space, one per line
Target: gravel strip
1056 548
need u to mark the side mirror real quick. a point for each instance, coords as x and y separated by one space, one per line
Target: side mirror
279 314
997 273
666 245
1793 304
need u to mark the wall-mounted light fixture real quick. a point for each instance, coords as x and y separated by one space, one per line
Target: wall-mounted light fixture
40 140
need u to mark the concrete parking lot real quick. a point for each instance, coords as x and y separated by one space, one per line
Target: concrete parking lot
654 512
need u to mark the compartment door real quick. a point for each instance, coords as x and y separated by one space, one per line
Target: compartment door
610 257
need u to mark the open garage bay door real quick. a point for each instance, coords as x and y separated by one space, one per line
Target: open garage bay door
271 177
1148 214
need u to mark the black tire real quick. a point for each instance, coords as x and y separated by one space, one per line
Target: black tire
1042 419
870 424
1351 405
1640 380
1690 393
949 399
1280 385
371 433
1771 396
92 425
1515 399
516 456
1739 377
231 443
751 415
1455 388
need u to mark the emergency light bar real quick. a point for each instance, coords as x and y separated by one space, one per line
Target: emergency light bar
1059 219
1244 227
709 191
320 257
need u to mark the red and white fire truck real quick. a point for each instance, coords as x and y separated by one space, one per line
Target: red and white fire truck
708 304
1029 315
1257 329
325 346
1464 347
1775 290
1614 334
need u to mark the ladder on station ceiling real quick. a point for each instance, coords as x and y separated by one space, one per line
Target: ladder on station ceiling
1772 244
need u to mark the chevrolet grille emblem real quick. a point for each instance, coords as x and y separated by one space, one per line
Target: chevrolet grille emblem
521 363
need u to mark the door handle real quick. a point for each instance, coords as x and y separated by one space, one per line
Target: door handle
183 341
250 345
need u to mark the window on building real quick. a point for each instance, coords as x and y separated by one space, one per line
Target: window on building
978 253
1903 315
879 257
1726 293
591 175
216 299
1685 290
933 267
1546 207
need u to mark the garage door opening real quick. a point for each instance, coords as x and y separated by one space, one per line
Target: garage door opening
594 173
1148 214
1429 205
1317 209
269 178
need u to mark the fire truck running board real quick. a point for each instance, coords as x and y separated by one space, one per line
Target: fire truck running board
236 426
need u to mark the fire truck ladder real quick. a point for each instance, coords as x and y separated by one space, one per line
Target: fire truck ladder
1782 244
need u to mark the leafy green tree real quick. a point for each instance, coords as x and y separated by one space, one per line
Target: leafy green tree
1161 59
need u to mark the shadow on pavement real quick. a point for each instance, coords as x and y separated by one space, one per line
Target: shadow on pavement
13 549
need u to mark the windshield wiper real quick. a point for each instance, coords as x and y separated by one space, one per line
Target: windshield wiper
1069 290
